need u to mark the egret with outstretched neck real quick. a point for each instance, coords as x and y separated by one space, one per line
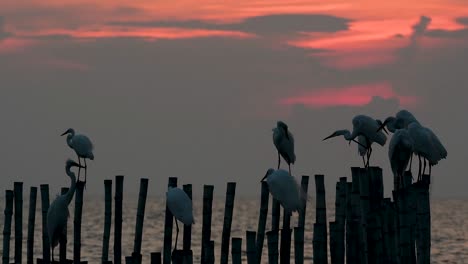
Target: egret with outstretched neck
284 143
180 206
82 146
57 215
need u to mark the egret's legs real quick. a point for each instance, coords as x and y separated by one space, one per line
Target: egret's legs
368 156
411 161
177 234
79 167
289 165
419 172
363 161
279 160
52 255
430 167
85 172
424 170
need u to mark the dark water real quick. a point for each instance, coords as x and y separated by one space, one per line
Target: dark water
449 228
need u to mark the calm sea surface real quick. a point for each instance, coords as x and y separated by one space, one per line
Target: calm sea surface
449 228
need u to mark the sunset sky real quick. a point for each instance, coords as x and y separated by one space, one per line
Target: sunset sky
192 88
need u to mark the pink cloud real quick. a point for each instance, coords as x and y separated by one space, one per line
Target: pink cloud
357 95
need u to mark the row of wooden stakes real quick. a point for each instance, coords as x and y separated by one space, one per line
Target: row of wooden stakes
367 227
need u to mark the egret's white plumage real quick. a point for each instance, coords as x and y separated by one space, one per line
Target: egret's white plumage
365 128
401 120
82 146
400 150
57 215
284 188
180 206
284 143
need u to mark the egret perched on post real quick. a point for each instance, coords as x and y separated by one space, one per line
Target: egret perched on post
284 143
366 127
82 146
284 188
180 206
400 150
401 120
57 215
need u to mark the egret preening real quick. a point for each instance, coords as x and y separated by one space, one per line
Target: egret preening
284 143
400 150
427 145
82 146
180 206
401 120
284 188
366 127
57 215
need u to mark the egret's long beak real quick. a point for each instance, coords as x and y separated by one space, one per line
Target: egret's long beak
264 177
77 165
330 136
383 126
64 133
385 130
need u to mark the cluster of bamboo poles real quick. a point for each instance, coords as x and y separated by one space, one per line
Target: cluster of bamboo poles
367 227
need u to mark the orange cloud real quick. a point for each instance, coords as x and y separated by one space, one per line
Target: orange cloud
357 95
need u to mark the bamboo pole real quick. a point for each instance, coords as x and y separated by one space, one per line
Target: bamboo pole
168 223
187 228
376 189
45 237
299 231
333 243
77 222
107 219
340 219
351 228
9 196
320 227
18 214
250 247
355 249
424 221
364 182
207 211
63 238
31 224
118 219
236 250
285 246
155 257
209 253
272 238
374 238
136 255
228 209
262 220
275 214
401 198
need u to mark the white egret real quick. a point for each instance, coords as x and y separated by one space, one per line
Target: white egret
57 215
284 188
180 206
284 143
366 127
82 146
400 150
401 120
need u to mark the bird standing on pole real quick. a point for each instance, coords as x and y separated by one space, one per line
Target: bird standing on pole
284 143
180 206
82 146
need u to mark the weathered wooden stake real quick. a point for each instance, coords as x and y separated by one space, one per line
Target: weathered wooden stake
355 249
187 228
333 243
45 236
206 226
229 207
107 219
275 214
18 189
7 226
118 219
351 226
155 257
63 238
340 219
136 255
285 246
320 244
209 252
272 238
31 224
168 222
236 250
250 247
401 198
264 197
424 220
299 230
77 222
364 181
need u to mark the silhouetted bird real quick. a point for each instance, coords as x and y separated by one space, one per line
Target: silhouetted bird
82 146
284 143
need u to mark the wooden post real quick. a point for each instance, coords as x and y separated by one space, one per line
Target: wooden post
118 219
320 227
139 220
354 250
401 197
155 257
333 243
285 246
299 231
18 189
262 220
351 229
376 189
168 222
364 181
31 224
228 209
187 228
77 222
209 252
389 254
63 238
45 237
275 214
251 247
7 226
206 227
374 238
236 250
340 219
107 219
272 238
424 220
